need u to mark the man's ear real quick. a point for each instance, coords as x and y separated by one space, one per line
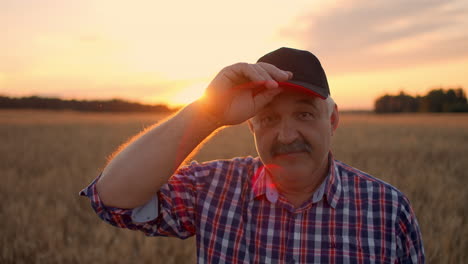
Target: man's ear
334 119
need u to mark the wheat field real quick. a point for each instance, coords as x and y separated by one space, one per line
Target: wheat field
48 157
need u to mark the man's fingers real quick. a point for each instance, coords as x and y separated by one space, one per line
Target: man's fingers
269 72
259 72
249 76
240 88
247 71
276 73
269 79
263 98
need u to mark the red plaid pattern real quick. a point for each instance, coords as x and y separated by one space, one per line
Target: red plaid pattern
238 216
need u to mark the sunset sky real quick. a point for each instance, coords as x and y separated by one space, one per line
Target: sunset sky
168 51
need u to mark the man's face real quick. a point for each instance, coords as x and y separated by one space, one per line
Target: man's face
293 136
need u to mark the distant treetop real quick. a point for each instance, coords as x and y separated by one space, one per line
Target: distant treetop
114 105
435 101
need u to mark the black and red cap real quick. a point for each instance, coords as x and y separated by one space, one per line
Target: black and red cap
308 74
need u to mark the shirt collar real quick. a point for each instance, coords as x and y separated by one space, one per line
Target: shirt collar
330 187
262 184
333 186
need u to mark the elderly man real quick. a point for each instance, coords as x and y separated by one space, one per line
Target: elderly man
293 204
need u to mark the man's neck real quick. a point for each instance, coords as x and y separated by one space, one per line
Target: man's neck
298 197
298 193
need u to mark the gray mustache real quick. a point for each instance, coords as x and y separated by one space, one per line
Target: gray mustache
296 146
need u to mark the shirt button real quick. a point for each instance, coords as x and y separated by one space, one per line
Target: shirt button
272 196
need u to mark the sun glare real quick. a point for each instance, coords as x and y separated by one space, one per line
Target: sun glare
181 96
86 49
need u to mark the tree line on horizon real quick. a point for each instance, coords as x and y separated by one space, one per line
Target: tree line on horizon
113 105
435 101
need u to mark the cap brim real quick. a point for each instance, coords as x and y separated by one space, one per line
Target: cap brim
304 87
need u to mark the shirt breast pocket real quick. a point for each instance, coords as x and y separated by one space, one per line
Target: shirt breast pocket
355 249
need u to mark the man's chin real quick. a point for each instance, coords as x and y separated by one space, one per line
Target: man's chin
291 157
287 170
289 163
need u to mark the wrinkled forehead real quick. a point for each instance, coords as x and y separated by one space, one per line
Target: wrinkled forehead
291 98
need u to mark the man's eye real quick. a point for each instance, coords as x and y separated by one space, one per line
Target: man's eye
306 116
267 119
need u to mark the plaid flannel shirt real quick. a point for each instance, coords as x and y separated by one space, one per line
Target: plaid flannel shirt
238 216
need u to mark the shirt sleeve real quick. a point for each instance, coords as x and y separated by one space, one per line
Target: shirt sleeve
409 239
169 213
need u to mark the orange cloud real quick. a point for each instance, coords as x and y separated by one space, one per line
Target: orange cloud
363 35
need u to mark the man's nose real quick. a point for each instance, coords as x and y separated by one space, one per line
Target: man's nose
287 132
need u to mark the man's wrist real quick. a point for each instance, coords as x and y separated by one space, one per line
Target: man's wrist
204 116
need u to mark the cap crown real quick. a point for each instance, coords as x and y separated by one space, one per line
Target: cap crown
305 66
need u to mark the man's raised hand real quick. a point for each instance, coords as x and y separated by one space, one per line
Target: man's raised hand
239 91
